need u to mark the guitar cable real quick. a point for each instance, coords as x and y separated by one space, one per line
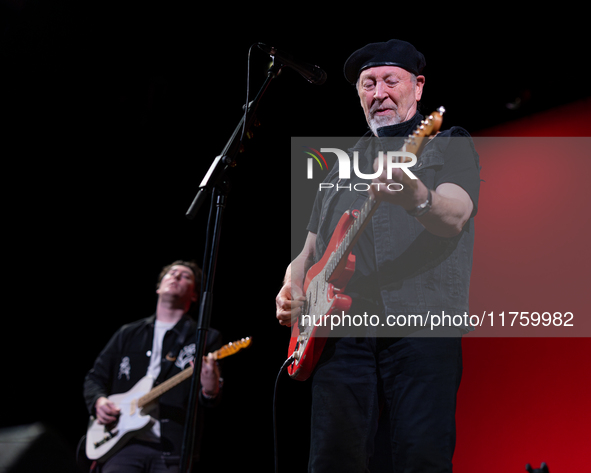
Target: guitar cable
285 365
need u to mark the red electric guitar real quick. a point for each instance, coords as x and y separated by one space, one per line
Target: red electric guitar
326 281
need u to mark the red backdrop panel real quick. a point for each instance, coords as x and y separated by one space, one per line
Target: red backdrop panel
527 399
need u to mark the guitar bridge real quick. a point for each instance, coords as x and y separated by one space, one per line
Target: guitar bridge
108 436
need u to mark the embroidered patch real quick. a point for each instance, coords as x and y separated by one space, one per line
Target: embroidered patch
125 367
186 355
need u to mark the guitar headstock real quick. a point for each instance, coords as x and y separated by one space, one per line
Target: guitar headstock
428 127
232 347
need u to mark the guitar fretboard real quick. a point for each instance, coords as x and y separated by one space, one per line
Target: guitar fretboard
159 390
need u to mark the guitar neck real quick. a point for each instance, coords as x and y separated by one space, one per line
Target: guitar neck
227 350
159 390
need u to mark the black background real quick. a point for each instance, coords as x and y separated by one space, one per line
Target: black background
111 114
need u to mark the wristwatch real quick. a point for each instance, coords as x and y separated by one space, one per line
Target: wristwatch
423 208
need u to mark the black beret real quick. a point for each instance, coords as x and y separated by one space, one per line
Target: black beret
390 53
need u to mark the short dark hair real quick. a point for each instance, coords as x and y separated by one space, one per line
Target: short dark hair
189 264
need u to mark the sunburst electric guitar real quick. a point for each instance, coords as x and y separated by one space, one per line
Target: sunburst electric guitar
325 281
102 441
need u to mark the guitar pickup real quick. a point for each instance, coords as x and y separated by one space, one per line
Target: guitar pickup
108 436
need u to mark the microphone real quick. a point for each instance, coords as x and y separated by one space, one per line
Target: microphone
311 73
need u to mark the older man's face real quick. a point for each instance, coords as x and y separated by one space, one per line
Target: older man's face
388 95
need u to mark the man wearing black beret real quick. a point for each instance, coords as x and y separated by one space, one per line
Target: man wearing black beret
383 400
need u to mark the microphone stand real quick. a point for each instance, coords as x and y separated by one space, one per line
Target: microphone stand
216 184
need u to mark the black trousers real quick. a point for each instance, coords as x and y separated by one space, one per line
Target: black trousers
408 384
140 457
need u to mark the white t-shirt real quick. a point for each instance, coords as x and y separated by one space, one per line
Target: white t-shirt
160 329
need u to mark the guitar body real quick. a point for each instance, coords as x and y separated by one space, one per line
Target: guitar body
323 299
102 441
